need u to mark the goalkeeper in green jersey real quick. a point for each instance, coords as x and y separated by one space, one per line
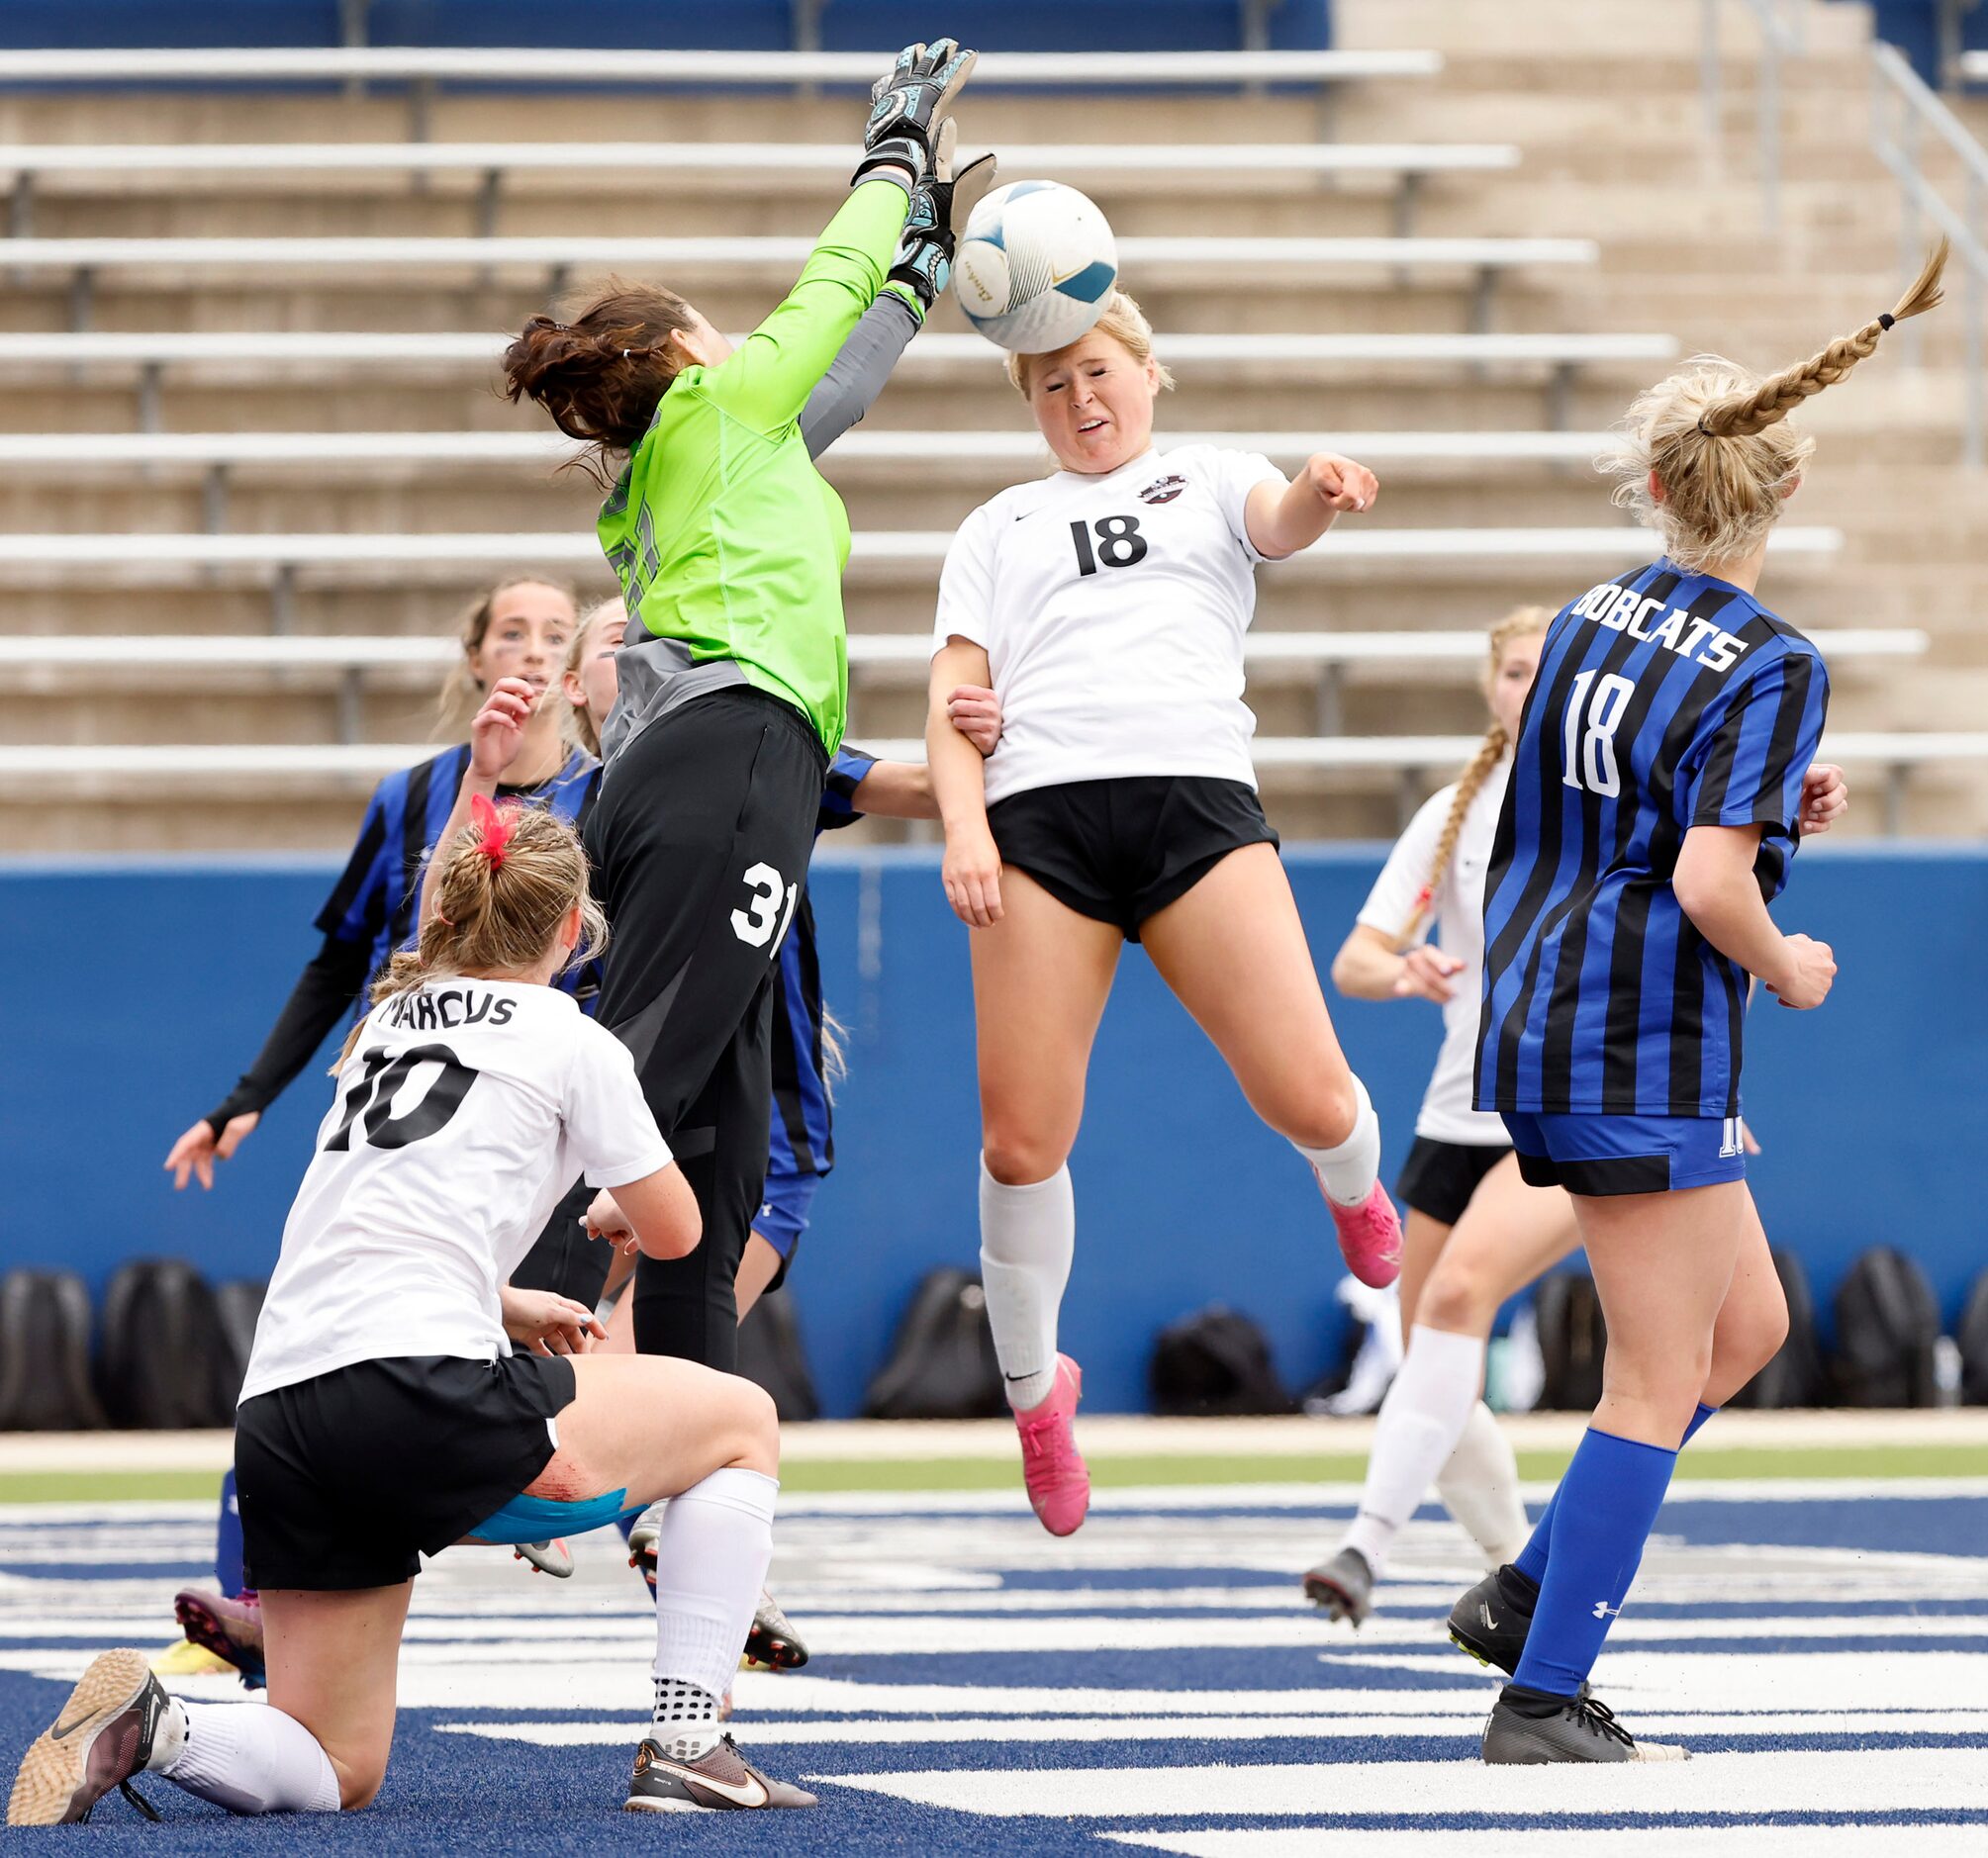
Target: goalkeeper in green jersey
730 548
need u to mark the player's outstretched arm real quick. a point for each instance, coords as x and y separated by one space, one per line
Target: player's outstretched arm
1716 888
1282 521
331 981
767 382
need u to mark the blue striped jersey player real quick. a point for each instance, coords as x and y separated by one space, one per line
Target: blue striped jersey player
1656 800
1665 701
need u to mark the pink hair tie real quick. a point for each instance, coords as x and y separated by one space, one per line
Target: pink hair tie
496 830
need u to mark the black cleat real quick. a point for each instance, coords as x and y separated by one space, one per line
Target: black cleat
1530 1728
102 1737
719 1781
1492 1620
1342 1586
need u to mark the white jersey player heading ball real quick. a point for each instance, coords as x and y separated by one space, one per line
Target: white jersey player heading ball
1107 605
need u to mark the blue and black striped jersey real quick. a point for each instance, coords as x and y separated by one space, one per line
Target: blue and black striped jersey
1664 700
377 898
803 1134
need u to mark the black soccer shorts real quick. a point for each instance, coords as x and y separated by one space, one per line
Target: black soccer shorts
699 843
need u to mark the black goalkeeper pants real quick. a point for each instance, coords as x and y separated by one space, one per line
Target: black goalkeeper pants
699 843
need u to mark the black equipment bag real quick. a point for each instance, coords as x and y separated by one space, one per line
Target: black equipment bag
1795 1378
770 1355
1973 1338
1215 1361
236 1304
942 1364
163 1341
1887 1321
44 1354
1573 1339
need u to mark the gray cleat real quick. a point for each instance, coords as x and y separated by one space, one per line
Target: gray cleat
1528 1728
1342 1587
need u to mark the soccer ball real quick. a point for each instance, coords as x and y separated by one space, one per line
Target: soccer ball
1035 266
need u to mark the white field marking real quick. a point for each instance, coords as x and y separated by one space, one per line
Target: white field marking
1107 1435
1745 1841
1885 1779
1335 1496
1649 1678
542 1679
899 1630
1467 1726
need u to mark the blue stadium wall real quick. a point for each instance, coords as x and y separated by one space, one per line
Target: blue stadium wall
742 25
135 993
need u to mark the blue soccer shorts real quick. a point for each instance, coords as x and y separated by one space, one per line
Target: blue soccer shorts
1612 1154
783 1217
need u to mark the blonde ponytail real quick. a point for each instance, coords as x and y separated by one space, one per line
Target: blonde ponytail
1522 622
1741 416
502 893
1716 439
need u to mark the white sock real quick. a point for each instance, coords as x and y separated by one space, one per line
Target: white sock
711 1558
1028 1236
246 1757
1420 1422
1350 1171
1480 1487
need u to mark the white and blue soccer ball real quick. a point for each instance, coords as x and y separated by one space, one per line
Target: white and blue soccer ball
1035 266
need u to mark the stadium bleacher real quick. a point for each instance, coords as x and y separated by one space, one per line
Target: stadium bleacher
330 465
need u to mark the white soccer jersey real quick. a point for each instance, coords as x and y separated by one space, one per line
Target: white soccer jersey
465 1111
1459 918
1112 609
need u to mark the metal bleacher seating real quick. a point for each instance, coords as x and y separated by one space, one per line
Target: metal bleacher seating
265 368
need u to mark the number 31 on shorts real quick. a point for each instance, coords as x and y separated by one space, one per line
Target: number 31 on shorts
770 901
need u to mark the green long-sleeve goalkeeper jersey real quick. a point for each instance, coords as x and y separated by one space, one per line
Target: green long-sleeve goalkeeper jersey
722 532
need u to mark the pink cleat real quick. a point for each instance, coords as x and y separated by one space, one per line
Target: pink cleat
229 1626
1059 1485
1370 1236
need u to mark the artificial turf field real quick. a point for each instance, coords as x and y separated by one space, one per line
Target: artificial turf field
1813 1620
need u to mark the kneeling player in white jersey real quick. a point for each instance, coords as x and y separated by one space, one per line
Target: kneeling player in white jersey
385 1414
1107 605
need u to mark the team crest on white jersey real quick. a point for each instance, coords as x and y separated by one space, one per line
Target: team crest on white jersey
1163 490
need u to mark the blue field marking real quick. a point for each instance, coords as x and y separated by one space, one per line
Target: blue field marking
1153 1683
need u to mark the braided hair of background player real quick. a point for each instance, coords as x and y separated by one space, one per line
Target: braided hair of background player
1521 622
1716 437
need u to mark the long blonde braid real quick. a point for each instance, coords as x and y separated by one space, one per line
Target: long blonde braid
1521 622
1717 438
1741 415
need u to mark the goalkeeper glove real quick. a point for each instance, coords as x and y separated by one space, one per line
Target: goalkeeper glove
941 205
908 105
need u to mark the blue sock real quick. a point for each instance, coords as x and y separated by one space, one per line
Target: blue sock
1533 1558
228 1539
1612 1493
